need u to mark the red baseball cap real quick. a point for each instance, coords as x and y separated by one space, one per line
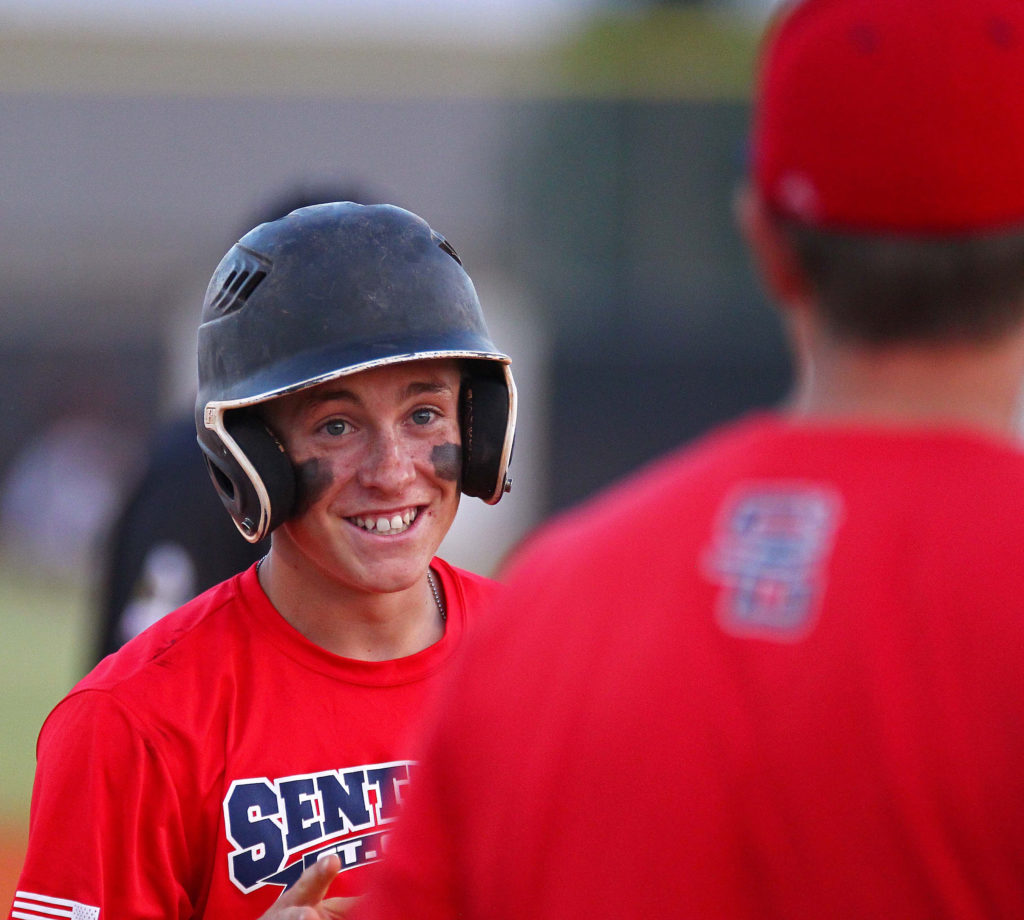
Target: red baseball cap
900 116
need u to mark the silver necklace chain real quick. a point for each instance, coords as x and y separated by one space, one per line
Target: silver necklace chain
437 597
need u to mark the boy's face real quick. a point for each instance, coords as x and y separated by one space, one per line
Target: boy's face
378 459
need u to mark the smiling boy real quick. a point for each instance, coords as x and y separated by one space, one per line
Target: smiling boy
349 393
378 459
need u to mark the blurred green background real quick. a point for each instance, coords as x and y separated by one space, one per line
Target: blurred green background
44 631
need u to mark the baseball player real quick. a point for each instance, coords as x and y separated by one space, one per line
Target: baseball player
348 393
778 674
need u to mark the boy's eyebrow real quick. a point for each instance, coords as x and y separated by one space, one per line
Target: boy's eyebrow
333 393
416 388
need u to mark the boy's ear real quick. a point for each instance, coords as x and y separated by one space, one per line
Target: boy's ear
773 254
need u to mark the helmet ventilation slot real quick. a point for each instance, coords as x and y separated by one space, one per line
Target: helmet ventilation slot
445 246
242 279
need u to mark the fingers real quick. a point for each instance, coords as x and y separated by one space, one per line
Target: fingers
331 909
338 908
312 885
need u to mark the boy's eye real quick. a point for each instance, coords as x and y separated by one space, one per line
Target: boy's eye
422 416
336 427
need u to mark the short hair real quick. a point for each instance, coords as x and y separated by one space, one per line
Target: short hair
896 289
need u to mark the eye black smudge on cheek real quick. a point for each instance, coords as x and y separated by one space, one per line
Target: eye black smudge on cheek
447 460
311 481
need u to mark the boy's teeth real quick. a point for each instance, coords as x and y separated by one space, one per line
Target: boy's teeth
387 524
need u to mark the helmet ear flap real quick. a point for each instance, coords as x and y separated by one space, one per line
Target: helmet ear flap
257 486
487 421
270 462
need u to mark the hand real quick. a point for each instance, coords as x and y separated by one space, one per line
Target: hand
305 899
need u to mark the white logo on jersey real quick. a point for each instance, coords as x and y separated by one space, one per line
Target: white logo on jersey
769 551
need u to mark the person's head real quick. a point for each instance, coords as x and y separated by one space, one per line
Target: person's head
888 167
377 457
367 312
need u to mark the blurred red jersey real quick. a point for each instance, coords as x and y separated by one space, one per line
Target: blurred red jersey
777 675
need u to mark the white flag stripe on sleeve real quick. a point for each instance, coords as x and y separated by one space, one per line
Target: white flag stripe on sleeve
39 910
29 896
36 913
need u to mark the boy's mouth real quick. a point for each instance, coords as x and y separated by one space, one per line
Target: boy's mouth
395 523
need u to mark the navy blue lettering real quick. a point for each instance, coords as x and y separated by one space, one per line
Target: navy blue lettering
298 799
387 780
250 808
344 802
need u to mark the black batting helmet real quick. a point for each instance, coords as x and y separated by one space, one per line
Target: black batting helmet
330 290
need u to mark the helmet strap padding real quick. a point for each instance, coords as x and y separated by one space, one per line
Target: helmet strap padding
270 461
484 411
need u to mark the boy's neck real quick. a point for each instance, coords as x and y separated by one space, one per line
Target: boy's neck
965 385
350 623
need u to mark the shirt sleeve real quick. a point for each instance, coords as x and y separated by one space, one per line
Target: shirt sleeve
106 836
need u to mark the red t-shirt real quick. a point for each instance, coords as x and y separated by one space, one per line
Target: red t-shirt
191 774
778 675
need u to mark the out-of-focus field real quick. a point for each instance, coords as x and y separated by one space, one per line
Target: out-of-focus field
44 624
